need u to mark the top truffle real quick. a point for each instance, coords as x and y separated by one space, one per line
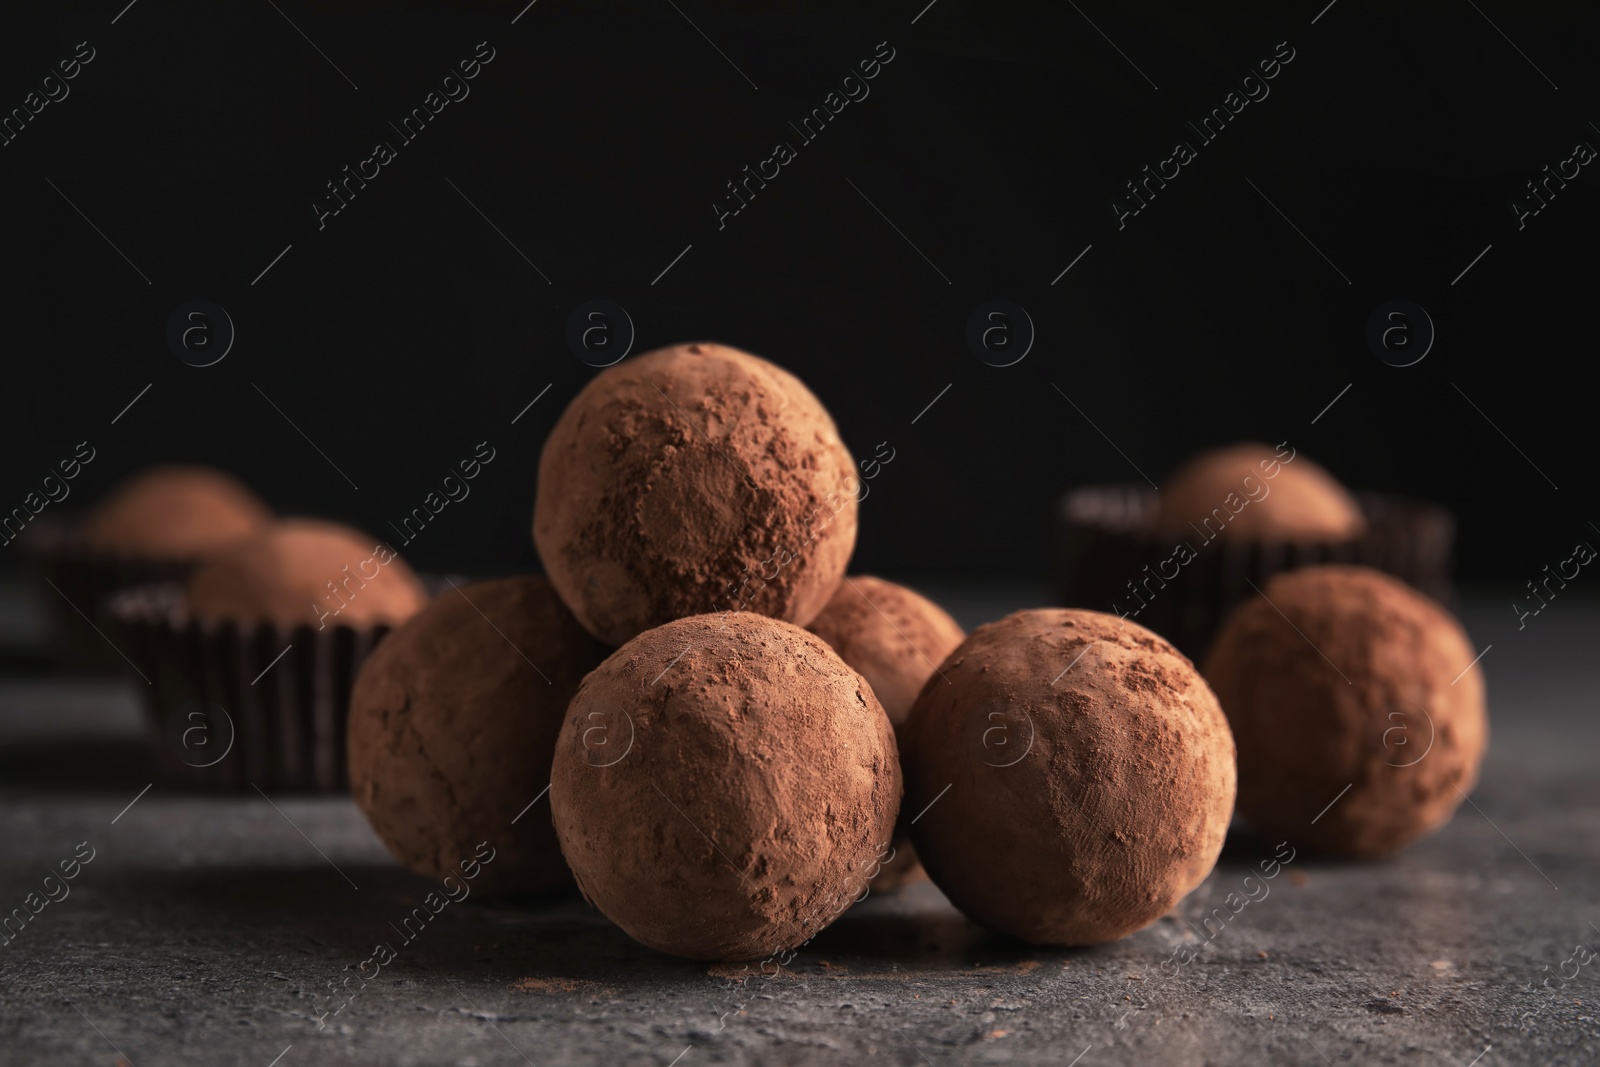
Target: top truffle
1261 493
892 636
689 480
302 572
175 513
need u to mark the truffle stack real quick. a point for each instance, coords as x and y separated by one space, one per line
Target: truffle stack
725 785
693 505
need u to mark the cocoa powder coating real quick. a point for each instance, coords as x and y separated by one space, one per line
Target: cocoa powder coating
1249 490
1075 778
694 479
892 636
1360 696
306 572
453 726
175 513
723 786
895 638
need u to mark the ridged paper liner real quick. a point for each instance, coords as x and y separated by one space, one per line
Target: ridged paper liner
1106 536
85 579
288 721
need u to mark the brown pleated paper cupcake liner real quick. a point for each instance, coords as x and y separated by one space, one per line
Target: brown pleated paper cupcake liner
75 582
283 694
1106 537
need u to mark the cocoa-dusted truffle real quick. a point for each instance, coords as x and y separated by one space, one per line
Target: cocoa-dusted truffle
693 479
1074 780
453 725
895 638
1255 491
892 636
307 572
175 513
1344 677
723 785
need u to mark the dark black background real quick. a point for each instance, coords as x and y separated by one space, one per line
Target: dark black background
408 330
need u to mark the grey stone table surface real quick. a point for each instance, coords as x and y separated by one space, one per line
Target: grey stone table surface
221 930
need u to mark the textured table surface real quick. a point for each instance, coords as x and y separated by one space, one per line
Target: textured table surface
216 930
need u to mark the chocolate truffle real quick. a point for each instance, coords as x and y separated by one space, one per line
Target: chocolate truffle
453 725
723 785
307 572
1344 677
1254 491
1073 781
689 480
892 636
175 513
895 638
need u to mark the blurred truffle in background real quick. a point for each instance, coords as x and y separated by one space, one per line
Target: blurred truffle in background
174 513
1253 490
154 526
267 636
307 572
1227 520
